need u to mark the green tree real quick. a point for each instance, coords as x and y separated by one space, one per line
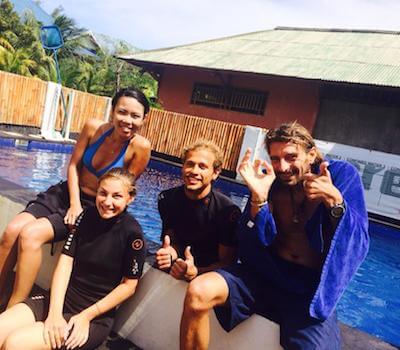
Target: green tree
45 68
17 61
20 48
10 25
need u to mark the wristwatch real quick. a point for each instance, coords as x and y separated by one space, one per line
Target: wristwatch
337 210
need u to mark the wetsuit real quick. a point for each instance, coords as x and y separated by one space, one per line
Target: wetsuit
104 252
300 299
201 224
54 203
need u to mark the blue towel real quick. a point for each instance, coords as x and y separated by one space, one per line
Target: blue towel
348 247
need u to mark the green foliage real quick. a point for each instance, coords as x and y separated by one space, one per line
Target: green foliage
21 52
20 48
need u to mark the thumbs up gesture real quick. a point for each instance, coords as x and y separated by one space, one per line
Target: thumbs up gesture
166 254
319 187
184 269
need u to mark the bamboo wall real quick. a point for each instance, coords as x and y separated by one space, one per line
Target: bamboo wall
21 99
22 102
86 106
170 132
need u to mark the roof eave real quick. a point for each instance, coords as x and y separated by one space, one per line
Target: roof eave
150 66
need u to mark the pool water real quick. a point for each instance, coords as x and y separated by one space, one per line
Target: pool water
372 300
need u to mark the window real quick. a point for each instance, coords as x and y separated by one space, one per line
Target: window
240 100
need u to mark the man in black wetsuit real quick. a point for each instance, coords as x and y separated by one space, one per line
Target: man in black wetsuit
198 222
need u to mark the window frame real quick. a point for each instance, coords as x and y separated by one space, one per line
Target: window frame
241 100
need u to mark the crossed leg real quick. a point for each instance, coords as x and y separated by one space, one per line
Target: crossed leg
203 293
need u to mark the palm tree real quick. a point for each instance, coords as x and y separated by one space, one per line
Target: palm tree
17 61
72 35
20 48
45 69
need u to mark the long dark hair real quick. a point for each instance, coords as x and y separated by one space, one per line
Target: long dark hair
295 133
132 92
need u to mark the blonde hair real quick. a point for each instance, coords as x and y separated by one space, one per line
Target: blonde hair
205 144
295 133
124 176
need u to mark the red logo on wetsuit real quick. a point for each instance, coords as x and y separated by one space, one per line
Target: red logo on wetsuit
137 244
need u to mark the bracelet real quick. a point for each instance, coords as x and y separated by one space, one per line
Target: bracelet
258 204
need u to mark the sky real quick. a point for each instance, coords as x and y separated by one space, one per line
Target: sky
152 24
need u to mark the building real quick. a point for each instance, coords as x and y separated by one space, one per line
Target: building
344 85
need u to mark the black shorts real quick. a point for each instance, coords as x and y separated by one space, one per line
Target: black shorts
53 205
249 294
99 328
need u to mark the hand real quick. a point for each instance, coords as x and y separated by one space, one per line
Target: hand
79 324
320 187
166 254
72 214
54 331
184 269
258 176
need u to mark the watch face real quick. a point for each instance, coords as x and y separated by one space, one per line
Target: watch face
337 211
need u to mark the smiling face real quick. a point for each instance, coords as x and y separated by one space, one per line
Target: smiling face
198 172
112 197
127 116
290 161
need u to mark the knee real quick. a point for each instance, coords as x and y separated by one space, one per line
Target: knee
10 235
30 238
11 342
199 296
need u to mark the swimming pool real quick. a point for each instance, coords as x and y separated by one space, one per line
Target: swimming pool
371 302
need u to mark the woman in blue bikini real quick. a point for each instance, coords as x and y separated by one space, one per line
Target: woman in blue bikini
101 146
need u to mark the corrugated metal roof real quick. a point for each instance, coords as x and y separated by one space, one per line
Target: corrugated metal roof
365 57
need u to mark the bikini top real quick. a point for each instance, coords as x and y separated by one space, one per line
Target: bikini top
91 150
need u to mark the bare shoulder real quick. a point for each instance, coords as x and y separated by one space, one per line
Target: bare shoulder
141 143
93 126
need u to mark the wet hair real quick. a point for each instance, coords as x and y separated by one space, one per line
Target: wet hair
124 176
205 144
295 133
134 93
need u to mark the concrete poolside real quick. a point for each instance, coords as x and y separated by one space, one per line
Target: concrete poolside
12 199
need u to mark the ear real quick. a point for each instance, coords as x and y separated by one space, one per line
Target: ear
130 200
216 174
311 155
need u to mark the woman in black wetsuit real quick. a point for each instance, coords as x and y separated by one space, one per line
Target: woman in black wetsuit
98 269
101 146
